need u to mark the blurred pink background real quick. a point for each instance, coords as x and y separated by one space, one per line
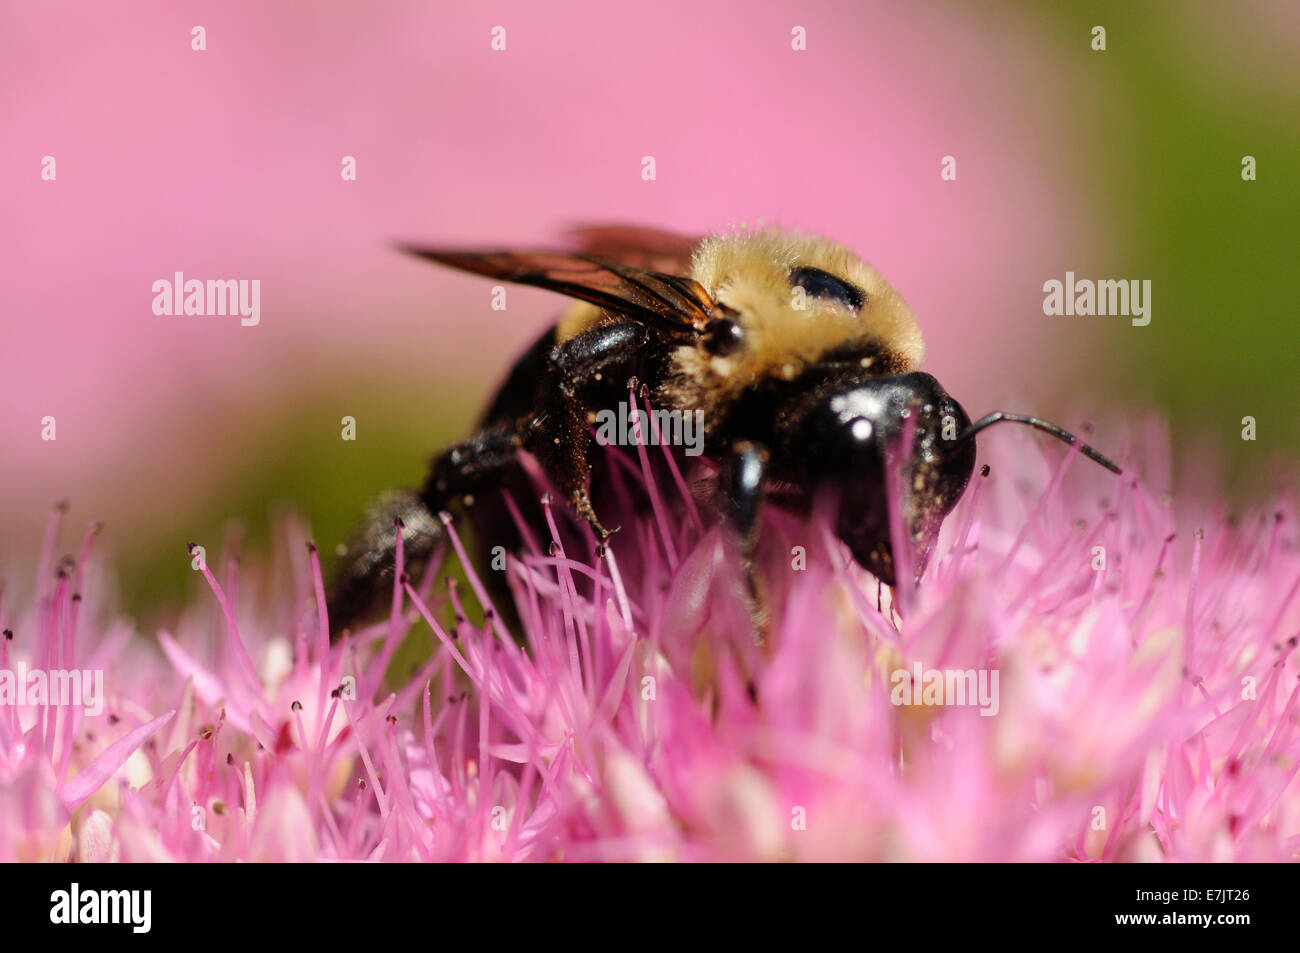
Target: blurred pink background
226 164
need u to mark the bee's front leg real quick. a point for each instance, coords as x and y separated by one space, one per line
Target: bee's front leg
557 433
743 480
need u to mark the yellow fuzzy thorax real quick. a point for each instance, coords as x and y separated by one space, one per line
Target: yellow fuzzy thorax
750 273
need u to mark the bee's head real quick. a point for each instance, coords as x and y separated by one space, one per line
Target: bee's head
862 431
859 429
784 302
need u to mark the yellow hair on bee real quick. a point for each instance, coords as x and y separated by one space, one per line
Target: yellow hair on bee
579 317
784 331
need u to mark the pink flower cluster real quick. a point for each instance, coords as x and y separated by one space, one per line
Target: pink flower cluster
1144 669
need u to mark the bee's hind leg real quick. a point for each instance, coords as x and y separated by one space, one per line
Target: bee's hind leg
369 557
365 572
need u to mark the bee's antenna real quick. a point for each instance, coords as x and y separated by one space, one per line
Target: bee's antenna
1000 416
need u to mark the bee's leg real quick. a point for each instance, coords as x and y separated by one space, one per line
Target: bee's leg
744 475
369 559
470 467
557 434
365 571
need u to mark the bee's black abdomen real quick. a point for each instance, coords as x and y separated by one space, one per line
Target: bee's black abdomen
515 397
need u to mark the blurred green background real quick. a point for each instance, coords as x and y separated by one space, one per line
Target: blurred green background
1180 101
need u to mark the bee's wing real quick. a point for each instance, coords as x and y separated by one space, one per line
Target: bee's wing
651 248
672 303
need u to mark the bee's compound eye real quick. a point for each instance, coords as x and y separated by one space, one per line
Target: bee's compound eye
722 336
822 284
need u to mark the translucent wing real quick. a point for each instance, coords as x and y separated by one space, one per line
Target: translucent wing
651 248
672 303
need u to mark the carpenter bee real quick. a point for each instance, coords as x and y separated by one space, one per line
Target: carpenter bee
802 358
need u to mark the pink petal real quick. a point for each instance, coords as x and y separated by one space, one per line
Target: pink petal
92 776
